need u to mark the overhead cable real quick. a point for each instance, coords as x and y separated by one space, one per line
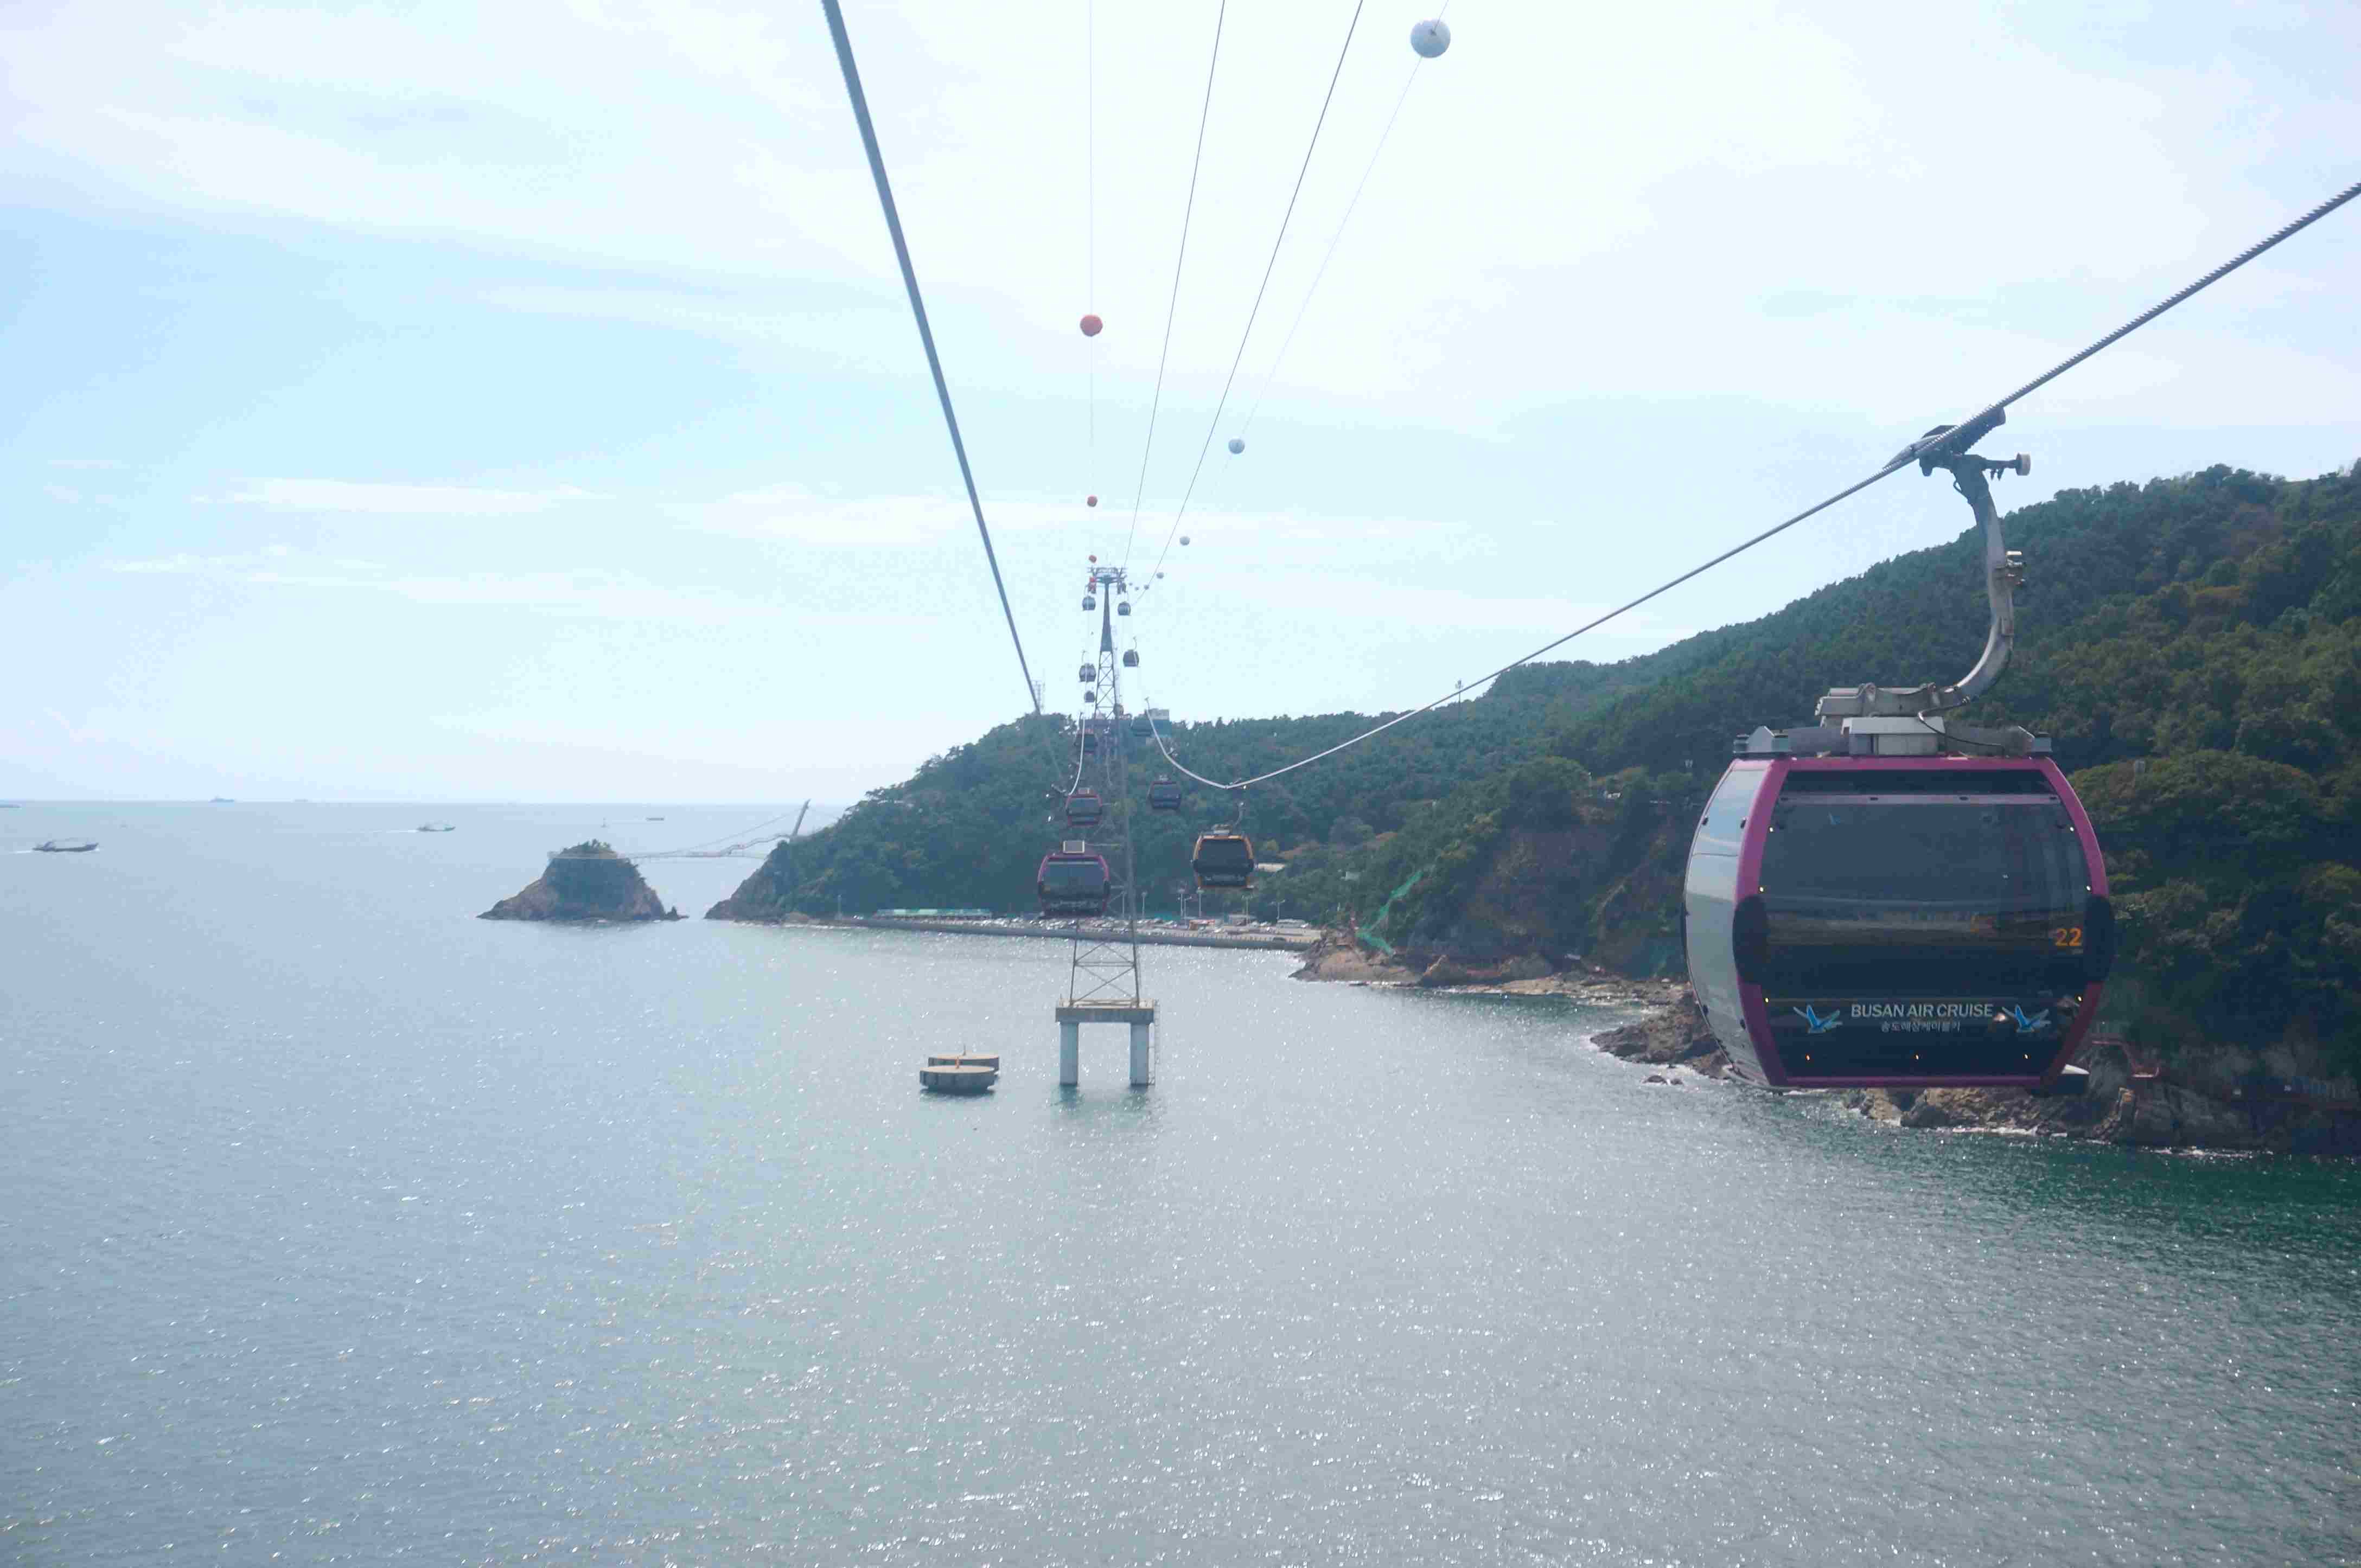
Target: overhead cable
1546 647
1333 240
1172 306
1090 223
1902 459
2158 309
1213 426
926 332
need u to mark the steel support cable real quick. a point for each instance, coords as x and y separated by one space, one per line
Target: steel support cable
2155 311
709 843
1333 240
1214 425
1090 223
1902 460
1172 306
926 331
1547 647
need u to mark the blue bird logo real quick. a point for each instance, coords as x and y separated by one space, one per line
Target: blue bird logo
1817 1025
2025 1026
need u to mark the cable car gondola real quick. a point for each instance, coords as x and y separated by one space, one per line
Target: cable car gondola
1122 607
1072 882
1224 857
1164 796
1131 658
1083 809
1897 922
1089 602
1893 899
1142 727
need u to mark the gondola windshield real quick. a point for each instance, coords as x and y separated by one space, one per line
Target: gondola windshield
1909 892
1080 876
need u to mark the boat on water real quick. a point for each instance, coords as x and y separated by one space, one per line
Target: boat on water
436 827
66 847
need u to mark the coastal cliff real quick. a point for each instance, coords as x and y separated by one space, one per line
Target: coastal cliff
2286 1099
767 896
586 882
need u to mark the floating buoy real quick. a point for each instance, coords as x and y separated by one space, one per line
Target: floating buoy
1430 38
1090 501
1238 445
1091 324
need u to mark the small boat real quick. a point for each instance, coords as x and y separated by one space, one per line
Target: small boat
436 827
655 820
66 847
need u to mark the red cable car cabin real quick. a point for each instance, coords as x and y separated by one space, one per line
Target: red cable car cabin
1073 883
1897 922
1892 899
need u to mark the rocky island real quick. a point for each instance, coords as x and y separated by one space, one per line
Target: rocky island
586 882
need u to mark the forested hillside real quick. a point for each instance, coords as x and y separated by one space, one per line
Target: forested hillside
2192 644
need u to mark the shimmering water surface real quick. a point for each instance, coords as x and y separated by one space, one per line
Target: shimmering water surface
341 1227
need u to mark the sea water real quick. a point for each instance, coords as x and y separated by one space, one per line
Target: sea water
339 1226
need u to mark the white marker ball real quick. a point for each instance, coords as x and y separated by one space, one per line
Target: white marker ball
1430 38
1238 445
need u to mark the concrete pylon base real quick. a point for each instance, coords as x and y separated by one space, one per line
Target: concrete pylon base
1071 1015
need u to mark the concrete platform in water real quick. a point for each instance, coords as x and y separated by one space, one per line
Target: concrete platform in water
960 1074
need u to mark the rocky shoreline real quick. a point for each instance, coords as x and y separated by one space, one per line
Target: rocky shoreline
2224 1098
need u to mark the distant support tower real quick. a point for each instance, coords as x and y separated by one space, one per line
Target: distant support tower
1103 976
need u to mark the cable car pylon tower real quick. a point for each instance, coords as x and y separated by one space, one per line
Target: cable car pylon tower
1102 971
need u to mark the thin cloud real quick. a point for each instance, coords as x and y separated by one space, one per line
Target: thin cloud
579 592
402 500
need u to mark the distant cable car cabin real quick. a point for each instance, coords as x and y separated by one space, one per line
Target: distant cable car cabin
1083 809
1122 607
1224 860
1087 674
1131 658
1164 796
1142 727
1089 602
1089 740
1072 882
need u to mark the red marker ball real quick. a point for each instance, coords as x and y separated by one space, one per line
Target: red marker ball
1090 501
1090 326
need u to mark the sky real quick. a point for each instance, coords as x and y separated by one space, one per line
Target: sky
436 401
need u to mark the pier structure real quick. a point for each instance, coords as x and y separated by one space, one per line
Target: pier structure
1140 1013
